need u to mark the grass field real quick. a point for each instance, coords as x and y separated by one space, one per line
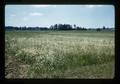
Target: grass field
59 54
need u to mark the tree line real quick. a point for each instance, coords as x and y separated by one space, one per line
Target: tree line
54 27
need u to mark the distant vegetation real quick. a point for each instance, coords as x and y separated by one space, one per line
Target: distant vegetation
57 27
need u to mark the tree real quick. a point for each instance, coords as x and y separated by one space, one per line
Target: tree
51 27
98 29
103 27
74 26
55 26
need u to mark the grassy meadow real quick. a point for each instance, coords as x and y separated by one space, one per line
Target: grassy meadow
60 54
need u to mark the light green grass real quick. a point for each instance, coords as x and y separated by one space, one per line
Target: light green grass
59 54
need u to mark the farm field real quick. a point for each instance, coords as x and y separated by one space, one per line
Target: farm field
60 54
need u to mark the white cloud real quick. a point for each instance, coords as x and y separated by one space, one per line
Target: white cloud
25 18
90 6
35 14
93 6
54 6
99 5
43 6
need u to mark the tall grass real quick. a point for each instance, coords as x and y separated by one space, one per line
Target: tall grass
48 53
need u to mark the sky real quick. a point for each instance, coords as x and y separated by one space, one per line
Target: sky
88 16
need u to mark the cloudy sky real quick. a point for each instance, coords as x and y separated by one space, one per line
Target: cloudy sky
89 16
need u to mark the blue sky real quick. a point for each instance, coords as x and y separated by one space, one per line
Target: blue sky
89 16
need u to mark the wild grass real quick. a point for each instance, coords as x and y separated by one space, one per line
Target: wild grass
59 54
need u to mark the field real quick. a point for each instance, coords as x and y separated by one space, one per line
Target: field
59 54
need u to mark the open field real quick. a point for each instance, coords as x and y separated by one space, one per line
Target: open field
59 54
